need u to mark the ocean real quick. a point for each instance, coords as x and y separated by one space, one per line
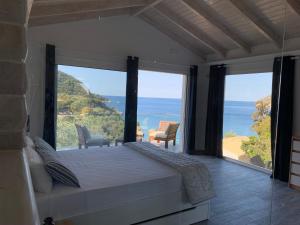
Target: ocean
237 117
237 114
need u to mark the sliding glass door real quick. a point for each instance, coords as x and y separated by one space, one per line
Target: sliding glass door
247 119
92 101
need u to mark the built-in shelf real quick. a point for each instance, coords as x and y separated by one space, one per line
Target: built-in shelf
294 180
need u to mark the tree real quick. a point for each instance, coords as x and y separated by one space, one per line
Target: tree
259 146
263 109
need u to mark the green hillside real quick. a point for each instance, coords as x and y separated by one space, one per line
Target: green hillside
76 104
68 85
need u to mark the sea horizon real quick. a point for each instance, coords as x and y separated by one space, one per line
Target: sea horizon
151 110
108 96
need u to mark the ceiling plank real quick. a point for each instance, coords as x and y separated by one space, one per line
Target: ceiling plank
175 37
148 6
191 30
79 16
295 5
202 9
257 22
68 7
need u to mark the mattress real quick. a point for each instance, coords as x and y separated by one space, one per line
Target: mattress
109 177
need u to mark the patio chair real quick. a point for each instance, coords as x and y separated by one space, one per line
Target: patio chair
85 139
168 135
163 126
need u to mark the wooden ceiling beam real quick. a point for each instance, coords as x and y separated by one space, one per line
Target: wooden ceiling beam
257 22
175 37
42 9
203 10
148 6
191 30
295 5
79 16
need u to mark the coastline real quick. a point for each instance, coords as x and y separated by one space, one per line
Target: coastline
232 147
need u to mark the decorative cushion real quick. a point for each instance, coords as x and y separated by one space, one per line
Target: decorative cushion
41 180
161 135
54 166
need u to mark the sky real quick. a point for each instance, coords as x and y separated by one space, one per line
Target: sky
248 87
160 85
245 87
113 83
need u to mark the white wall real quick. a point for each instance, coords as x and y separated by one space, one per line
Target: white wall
100 44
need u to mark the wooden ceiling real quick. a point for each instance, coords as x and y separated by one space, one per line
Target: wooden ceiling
206 27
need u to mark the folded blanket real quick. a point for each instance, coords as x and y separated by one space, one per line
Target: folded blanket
196 177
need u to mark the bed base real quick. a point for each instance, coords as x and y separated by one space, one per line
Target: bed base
184 217
147 214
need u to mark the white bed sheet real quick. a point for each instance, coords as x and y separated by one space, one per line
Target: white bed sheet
109 177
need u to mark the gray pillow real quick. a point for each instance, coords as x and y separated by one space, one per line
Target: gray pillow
54 166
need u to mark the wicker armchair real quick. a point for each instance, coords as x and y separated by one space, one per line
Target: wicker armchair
85 139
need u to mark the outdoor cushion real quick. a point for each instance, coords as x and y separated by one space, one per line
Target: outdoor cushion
97 142
161 135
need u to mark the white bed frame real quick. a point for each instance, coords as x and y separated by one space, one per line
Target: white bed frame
167 209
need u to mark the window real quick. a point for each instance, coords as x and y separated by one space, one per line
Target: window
247 118
93 98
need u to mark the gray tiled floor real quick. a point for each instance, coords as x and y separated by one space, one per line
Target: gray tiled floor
244 197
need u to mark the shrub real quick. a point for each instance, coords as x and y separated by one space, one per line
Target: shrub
260 145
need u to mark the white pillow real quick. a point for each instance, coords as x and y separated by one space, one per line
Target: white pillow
29 142
41 180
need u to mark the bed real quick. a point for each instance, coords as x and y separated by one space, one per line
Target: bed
120 185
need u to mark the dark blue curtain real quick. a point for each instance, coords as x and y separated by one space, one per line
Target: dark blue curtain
190 112
215 110
284 91
131 99
50 97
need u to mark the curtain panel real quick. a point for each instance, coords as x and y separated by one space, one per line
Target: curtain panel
50 97
215 109
131 99
190 111
282 115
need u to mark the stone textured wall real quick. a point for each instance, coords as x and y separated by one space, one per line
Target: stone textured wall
13 50
17 201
